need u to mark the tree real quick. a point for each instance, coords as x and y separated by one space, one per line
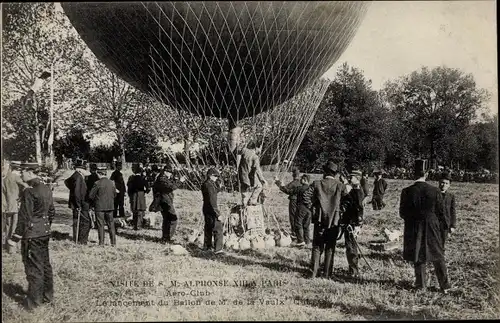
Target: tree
487 137
350 125
73 145
433 105
140 145
38 37
113 105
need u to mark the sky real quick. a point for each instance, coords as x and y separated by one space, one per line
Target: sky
399 37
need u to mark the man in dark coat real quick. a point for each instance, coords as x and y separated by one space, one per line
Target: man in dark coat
90 181
102 196
325 198
78 202
379 188
117 177
449 203
36 213
137 187
352 208
302 214
422 209
213 220
164 186
292 197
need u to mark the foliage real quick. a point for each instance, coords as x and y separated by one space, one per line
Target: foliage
350 124
140 145
113 105
37 37
73 145
434 105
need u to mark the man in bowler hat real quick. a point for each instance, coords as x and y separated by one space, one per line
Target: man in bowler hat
422 209
78 202
325 197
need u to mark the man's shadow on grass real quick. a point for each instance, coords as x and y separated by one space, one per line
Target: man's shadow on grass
380 312
282 264
14 291
138 235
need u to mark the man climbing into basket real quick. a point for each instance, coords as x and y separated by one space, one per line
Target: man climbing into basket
250 174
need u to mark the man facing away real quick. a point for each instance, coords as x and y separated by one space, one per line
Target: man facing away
303 214
78 202
325 197
103 195
12 186
164 187
36 213
90 181
213 221
117 177
250 174
422 209
292 197
379 188
137 187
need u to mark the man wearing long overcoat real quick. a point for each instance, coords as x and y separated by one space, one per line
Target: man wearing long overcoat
102 196
422 209
325 197
117 177
78 202
137 187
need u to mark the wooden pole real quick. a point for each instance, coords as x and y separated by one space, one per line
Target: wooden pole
51 119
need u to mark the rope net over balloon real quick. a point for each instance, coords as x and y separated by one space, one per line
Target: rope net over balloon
229 75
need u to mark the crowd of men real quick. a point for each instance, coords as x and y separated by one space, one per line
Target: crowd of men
334 205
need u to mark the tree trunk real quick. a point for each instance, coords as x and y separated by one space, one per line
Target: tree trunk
121 144
38 141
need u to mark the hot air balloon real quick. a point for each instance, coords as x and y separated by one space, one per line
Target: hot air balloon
224 59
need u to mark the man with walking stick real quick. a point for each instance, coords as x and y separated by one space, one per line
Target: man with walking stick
78 203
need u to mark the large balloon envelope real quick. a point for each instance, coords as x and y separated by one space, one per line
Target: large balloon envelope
223 59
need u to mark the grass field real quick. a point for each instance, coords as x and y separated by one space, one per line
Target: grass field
272 283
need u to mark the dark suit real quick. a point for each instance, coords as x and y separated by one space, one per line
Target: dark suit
325 198
213 227
78 202
422 208
117 177
35 217
449 211
137 187
102 195
164 188
292 205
